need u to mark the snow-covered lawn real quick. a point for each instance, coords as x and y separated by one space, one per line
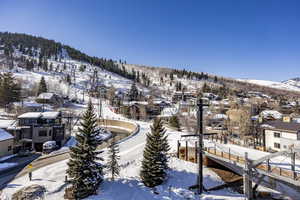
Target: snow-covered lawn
128 186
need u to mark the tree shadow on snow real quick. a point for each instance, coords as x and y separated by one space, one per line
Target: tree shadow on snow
175 187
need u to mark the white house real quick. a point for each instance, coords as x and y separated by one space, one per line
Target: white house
281 135
6 143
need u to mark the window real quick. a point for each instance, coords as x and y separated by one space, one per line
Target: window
277 145
50 133
276 134
9 148
43 133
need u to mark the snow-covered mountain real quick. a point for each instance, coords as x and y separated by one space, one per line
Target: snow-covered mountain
293 82
290 85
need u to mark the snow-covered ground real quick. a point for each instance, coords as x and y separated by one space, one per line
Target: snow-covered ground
273 84
128 185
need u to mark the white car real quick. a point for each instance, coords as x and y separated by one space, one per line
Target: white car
49 146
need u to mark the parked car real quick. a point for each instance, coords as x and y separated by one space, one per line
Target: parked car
49 146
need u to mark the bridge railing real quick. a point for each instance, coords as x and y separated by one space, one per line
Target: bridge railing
237 159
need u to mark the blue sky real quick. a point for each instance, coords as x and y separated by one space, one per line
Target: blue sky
257 39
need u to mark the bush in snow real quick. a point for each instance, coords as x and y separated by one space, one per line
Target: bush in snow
112 164
155 161
86 174
42 86
174 122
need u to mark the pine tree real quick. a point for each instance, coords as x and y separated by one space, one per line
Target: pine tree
85 172
174 122
10 90
133 93
113 158
45 65
42 86
51 67
155 160
68 79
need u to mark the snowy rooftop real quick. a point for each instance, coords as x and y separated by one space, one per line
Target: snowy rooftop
220 116
136 102
50 115
46 95
43 115
5 135
28 104
168 112
6 123
30 115
271 113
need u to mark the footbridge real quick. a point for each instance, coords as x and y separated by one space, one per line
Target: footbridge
280 167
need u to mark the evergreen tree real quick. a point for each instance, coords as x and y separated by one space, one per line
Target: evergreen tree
82 68
206 88
113 157
133 93
65 66
45 65
51 67
85 172
171 77
174 122
216 79
68 79
155 160
42 86
10 90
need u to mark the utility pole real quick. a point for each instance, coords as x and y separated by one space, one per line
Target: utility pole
200 142
199 134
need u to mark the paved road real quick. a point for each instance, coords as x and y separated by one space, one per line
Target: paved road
132 148
21 170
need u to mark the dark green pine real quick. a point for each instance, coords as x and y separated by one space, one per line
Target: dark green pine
155 160
85 172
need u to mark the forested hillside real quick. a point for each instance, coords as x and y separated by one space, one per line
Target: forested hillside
45 49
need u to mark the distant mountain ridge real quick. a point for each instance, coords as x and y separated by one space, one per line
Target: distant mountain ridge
293 82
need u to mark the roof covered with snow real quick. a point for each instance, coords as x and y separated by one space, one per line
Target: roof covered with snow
5 123
28 104
50 115
220 116
271 113
4 135
30 115
35 115
46 95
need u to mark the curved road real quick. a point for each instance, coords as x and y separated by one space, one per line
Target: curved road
132 147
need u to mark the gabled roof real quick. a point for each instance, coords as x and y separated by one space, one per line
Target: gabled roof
5 135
